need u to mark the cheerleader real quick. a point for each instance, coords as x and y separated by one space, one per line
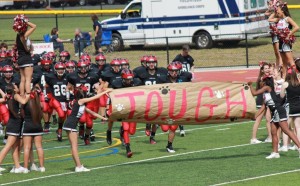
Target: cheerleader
285 28
14 126
275 40
264 71
32 129
291 89
278 113
24 47
79 107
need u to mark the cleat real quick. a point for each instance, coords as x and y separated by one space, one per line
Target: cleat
81 169
147 129
59 134
87 140
108 137
47 128
152 141
255 141
128 150
34 167
273 155
170 149
92 135
182 133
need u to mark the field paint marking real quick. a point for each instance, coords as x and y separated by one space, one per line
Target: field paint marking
222 129
129 163
261 128
258 177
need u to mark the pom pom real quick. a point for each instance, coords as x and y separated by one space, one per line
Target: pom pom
20 23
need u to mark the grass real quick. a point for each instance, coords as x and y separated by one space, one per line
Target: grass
259 49
208 155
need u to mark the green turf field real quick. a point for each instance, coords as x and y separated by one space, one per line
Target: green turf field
207 155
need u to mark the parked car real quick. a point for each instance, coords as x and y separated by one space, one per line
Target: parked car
6 4
18 4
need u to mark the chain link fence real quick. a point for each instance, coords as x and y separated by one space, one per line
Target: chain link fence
242 53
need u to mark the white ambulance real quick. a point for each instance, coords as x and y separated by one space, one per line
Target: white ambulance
202 22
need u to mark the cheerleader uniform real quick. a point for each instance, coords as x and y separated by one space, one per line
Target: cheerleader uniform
278 112
281 25
283 101
15 123
73 118
259 101
30 128
24 56
275 38
293 98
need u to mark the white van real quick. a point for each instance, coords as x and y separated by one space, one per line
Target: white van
202 22
6 4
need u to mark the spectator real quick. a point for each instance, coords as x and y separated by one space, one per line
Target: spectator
3 46
81 40
57 42
98 33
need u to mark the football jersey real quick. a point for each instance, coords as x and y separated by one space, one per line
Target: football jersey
57 86
110 76
160 76
118 83
3 83
187 62
89 81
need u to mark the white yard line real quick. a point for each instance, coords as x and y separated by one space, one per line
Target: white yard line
222 129
258 177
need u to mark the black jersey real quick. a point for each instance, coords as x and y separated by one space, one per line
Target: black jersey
110 76
100 69
187 62
57 86
160 76
139 70
42 73
3 82
118 83
89 81
184 77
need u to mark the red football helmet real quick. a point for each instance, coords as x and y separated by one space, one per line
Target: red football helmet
8 71
60 68
82 67
64 56
46 60
10 53
70 66
124 63
52 55
143 60
127 77
86 56
3 54
100 59
115 65
174 69
151 62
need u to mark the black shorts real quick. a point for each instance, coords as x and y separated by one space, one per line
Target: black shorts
294 110
31 129
284 47
14 127
25 61
259 101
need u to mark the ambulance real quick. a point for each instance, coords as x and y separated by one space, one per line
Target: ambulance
175 22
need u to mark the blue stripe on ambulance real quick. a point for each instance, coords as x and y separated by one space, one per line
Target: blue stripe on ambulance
232 6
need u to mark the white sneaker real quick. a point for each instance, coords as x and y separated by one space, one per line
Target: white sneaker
2 169
81 169
34 167
170 150
255 141
20 170
41 169
12 170
273 155
283 149
4 141
268 140
182 133
26 171
77 54
294 147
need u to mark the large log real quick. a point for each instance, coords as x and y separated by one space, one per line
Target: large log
183 103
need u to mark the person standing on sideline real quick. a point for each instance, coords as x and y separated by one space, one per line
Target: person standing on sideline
98 33
187 62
